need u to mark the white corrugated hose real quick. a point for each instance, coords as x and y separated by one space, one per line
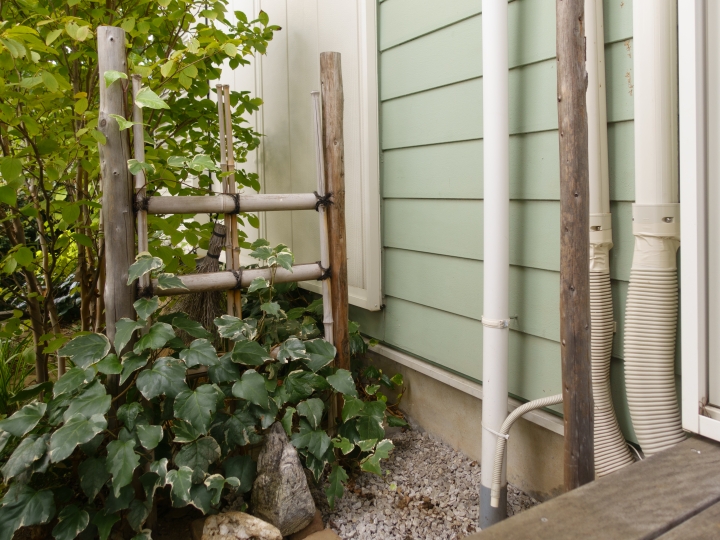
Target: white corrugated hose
502 438
611 450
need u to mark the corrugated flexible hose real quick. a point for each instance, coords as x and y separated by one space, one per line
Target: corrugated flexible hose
650 329
502 438
611 450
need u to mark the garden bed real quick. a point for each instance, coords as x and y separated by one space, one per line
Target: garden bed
429 491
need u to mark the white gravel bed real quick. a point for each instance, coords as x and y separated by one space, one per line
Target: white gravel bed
429 491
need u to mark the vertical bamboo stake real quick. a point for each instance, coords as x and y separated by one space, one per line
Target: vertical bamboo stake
333 153
574 248
140 181
324 253
117 187
230 155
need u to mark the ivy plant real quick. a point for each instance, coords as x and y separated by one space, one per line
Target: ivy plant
180 426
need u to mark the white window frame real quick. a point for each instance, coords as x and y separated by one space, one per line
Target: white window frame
697 417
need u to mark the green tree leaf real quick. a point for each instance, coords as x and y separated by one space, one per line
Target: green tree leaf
72 521
197 406
251 387
342 382
181 482
336 484
201 352
150 436
105 523
8 195
250 353
11 168
131 362
30 449
124 330
166 376
198 455
145 307
24 420
121 463
77 430
156 338
93 476
123 124
243 468
320 353
86 350
112 76
143 264
193 328
170 281
147 98
22 506
93 401
110 365
312 409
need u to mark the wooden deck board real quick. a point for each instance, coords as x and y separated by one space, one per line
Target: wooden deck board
704 526
643 501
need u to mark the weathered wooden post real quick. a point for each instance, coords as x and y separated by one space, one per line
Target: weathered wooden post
118 218
334 157
574 248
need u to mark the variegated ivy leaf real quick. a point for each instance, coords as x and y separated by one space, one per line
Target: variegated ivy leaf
121 462
372 462
170 281
258 284
320 354
291 349
150 436
250 353
30 449
166 376
143 264
336 484
193 328
145 307
197 406
124 330
312 409
24 420
181 482
86 350
77 430
156 338
236 329
198 455
200 353
343 382
23 506
251 387
94 400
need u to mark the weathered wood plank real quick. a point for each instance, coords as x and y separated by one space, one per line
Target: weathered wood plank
648 499
574 247
704 526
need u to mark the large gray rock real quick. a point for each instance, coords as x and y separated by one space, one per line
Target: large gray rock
238 526
281 494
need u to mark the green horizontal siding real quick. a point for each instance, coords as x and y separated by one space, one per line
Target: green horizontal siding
432 186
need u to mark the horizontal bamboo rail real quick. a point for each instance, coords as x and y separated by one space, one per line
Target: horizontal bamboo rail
223 281
225 204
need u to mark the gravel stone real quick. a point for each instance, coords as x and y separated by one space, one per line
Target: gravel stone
429 491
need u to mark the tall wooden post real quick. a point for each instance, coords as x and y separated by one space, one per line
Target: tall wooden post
574 248
118 218
334 156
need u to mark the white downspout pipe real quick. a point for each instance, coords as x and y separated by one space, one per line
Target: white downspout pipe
496 265
611 451
652 304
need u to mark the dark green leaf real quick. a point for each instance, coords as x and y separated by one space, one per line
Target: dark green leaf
301 384
316 441
86 350
312 409
372 463
93 476
342 382
181 482
105 523
193 328
156 338
272 308
166 376
200 352
198 455
77 430
23 507
394 421
145 307
93 401
251 387
351 408
124 330
127 414
137 514
224 371
320 353
184 432
150 436
243 468
30 449
121 463
250 353
121 502
197 406
24 420
30 392
72 522
336 484
131 362
110 365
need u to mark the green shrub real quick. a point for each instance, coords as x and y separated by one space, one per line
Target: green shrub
94 460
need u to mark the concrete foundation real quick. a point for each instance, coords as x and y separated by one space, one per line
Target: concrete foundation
535 453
